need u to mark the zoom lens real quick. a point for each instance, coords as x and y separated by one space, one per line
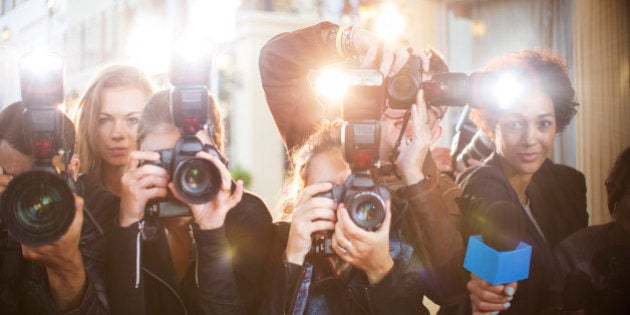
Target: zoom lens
37 208
367 210
197 180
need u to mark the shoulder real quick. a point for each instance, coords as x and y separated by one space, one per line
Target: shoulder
487 181
251 210
583 244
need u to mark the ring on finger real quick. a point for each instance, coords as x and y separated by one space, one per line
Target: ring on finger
343 250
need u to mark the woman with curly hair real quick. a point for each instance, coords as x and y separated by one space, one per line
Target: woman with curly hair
549 197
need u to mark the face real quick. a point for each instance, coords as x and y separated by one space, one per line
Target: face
12 161
118 123
524 136
328 166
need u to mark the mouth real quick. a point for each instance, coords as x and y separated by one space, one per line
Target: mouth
529 157
118 151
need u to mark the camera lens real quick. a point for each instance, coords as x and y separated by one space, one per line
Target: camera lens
367 210
197 180
37 208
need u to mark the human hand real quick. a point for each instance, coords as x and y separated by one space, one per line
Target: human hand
443 159
211 215
63 255
413 151
370 48
4 180
139 185
311 214
486 298
365 250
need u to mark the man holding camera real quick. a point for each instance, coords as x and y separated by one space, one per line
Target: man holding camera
61 276
427 213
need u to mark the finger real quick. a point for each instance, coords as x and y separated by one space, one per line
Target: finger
485 306
319 214
310 191
384 228
483 294
340 251
78 214
136 156
510 289
5 179
386 63
370 59
237 195
401 56
320 202
226 177
318 226
150 181
425 60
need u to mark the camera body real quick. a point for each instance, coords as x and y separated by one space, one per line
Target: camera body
366 205
195 179
37 207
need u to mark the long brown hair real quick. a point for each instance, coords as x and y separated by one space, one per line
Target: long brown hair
90 108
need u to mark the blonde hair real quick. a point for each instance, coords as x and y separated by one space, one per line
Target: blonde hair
326 138
89 109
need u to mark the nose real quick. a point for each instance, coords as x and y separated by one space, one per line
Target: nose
118 131
529 138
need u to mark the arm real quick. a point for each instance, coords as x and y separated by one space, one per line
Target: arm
233 284
285 62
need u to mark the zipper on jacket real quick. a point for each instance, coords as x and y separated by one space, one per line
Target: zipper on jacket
194 244
141 236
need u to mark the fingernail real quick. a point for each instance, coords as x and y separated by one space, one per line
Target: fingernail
509 291
507 305
510 298
495 313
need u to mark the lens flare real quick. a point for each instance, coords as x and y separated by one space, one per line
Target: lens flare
389 24
331 84
507 90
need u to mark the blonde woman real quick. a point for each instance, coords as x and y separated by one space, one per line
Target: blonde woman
107 122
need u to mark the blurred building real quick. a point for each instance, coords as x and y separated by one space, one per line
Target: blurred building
592 36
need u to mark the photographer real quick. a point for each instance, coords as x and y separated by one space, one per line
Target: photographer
552 197
209 260
423 213
65 276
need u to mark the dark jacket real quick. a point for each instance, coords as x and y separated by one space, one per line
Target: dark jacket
313 288
224 277
557 198
428 225
596 263
23 284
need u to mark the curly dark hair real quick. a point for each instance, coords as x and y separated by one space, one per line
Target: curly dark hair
541 69
618 181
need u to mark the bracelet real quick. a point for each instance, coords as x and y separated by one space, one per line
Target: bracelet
348 45
338 41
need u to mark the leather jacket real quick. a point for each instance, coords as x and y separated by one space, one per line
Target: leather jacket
23 283
224 276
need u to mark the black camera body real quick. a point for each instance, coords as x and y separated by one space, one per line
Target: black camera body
403 87
37 207
195 179
366 205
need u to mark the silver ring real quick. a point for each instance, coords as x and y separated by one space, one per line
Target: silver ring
343 250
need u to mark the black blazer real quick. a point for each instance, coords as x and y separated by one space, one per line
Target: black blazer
557 196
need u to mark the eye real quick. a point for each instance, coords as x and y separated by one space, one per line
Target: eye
103 120
545 123
133 121
515 124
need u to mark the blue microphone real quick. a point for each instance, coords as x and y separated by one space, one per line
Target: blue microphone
497 255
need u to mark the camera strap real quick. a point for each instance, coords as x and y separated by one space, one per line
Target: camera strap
394 154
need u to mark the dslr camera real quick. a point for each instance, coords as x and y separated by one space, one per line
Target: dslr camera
196 180
365 200
37 206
